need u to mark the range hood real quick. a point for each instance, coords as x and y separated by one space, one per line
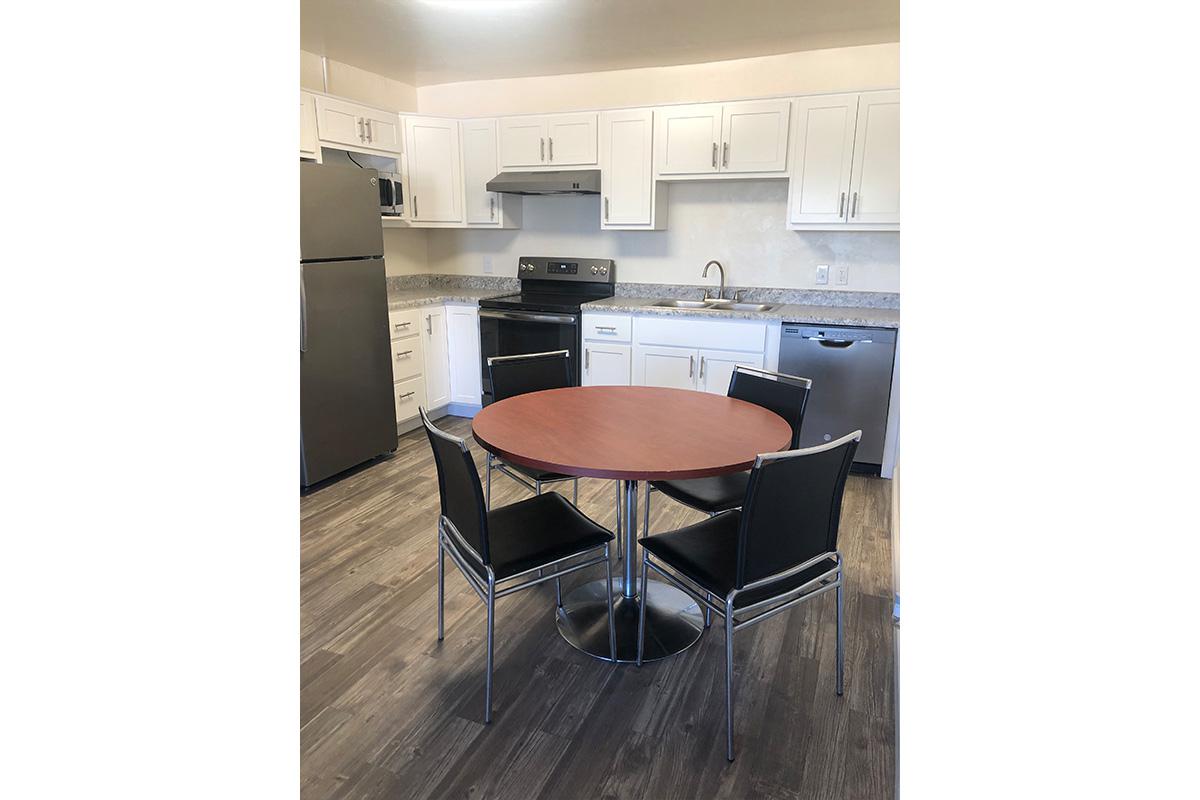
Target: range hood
571 181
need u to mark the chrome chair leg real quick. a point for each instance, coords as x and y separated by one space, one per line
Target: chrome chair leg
646 518
729 679
707 611
538 491
491 648
557 591
441 569
841 647
487 500
612 625
642 612
576 498
620 549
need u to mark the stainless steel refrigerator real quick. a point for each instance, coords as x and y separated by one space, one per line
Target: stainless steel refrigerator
347 413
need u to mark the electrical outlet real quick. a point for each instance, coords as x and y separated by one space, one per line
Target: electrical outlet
487 265
822 274
843 275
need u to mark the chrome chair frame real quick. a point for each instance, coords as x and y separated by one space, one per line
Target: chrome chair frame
498 464
832 579
452 542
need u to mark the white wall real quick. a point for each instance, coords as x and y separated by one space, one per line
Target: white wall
742 224
874 66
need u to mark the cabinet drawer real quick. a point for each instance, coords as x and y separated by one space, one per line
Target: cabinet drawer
406 358
409 395
404 323
607 327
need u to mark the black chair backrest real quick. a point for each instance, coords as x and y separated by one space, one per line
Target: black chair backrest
533 372
458 484
786 395
793 507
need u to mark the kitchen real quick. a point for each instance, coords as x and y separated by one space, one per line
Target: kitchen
661 244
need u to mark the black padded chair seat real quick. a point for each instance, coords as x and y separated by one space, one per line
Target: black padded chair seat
534 473
544 528
707 553
718 493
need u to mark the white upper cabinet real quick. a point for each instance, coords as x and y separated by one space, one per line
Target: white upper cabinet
629 195
875 176
555 140
357 127
845 172
754 136
434 170
820 184
308 127
687 139
480 164
724 139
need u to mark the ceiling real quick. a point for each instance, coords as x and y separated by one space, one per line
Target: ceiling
424 42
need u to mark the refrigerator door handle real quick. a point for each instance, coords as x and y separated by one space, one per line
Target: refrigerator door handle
303 314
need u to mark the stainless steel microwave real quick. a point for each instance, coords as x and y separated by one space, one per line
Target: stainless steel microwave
391 196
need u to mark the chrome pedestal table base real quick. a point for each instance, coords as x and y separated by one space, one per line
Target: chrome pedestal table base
674 621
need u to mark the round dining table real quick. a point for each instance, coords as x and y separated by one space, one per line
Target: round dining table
630 434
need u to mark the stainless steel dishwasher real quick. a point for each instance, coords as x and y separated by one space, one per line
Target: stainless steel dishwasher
851 371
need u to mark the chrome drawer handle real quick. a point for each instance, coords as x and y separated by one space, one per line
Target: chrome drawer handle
402 355
606 328
400 325
407 394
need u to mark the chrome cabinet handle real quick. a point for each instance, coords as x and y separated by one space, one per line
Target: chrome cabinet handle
606 328
542 145
606 209
725 155
701 367
400 325
370 135
407 394
429 324
551 148
841 205
691 366
854 206
401 355
492 206
587 359
415 212
361 136
714 160
303 314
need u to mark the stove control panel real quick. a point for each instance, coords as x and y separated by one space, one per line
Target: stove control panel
589 270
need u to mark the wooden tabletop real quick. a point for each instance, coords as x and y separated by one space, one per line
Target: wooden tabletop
630 432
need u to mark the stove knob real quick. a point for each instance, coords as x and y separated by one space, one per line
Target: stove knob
595 270
604 270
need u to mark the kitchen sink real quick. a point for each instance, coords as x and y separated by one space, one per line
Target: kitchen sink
714 305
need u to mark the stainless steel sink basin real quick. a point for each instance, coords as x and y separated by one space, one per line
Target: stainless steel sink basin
714 305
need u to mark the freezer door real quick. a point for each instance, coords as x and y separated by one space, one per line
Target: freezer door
339 212
347 415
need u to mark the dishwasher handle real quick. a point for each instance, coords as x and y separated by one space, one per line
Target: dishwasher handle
839 344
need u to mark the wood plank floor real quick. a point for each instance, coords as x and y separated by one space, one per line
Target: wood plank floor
387 711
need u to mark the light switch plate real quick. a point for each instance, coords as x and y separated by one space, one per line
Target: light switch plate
843 275
822 274
487 265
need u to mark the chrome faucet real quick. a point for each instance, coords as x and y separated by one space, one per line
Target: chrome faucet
721 289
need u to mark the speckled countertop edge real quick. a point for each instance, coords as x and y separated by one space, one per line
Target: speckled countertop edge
789 312
415 298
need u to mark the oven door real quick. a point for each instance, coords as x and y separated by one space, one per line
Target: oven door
512 333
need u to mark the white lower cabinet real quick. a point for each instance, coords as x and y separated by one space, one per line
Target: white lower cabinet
692 353
670 367
408 397
437 359
716 368
462 337
607 364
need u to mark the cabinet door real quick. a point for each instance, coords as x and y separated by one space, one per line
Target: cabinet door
875 176
383 130
480 165
437 360
340 122
522 142
673 367
686 139
607 364
462 336
716 368
821 159
626 169
571 139
754 136
434 173
308 126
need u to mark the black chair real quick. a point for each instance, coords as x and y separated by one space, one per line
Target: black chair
521 374
779 549
786 395
507 543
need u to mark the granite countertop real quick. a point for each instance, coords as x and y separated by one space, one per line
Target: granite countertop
433 295
790 312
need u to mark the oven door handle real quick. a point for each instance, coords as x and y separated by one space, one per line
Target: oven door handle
527 316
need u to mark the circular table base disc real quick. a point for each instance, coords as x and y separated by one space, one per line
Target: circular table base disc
674 621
